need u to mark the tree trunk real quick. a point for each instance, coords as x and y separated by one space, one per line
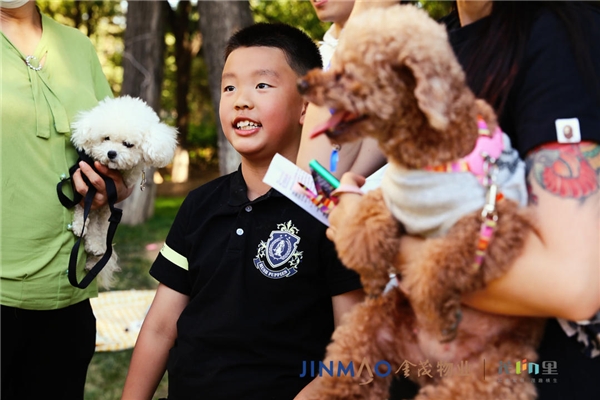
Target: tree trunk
218 21
187 44
143 60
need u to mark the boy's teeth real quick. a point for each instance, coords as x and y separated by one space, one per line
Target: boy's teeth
246 125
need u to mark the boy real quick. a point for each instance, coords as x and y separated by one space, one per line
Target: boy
249 285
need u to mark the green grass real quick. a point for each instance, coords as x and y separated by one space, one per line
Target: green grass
107 371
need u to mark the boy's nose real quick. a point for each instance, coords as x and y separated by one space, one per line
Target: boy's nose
242 102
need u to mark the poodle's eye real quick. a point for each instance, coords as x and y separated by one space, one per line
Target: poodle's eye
128 145
338 76
106 138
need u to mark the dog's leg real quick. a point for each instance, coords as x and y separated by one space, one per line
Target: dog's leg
367 349
96 231
369 243
77 224
106 276
447 271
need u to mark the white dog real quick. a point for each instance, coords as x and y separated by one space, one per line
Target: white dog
124 134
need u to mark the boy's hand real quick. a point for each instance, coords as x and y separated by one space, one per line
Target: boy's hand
101 198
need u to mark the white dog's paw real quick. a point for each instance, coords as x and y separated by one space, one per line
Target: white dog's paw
77 225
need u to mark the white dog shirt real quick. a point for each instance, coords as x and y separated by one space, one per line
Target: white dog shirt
428 202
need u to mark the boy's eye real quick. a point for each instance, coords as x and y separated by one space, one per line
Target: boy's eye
228 88
128 145
263 86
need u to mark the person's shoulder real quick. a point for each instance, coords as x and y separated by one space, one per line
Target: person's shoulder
552 35
550 24
71 38
52 25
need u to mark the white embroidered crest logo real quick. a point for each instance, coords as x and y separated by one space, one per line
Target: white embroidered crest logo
279 250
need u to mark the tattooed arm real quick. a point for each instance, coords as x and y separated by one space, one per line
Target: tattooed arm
559 272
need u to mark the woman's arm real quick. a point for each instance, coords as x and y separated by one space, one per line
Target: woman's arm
157 336
559 272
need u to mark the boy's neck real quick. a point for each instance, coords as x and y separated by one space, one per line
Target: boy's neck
253 176
254 172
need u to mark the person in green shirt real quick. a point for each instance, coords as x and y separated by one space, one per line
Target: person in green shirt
49 73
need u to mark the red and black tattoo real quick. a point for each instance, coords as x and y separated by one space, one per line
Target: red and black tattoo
565 170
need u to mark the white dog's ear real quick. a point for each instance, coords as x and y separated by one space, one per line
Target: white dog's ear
80 130
159 146
432 92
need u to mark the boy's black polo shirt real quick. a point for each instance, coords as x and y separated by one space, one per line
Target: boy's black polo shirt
260 278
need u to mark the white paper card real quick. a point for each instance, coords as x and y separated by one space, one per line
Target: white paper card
282 176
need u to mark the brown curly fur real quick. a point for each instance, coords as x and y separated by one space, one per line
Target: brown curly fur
396 76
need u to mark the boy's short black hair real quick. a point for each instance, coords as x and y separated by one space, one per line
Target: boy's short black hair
300 51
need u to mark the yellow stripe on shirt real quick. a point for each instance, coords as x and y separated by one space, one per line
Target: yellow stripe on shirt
174 257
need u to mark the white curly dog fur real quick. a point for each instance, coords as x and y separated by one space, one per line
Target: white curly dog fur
124 134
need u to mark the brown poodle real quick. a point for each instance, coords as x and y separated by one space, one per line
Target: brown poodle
394 77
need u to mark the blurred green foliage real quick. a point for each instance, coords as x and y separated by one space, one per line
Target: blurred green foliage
105 22
296 13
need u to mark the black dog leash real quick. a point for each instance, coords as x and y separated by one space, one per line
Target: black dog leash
114 219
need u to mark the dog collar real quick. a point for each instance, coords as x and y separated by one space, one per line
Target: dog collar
488 143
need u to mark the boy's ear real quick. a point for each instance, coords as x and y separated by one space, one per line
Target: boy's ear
303 113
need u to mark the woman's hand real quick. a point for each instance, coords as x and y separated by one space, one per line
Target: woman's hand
348 203
101 198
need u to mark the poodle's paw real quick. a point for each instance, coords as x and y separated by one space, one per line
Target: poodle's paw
370 243
77 226
94 247
91 261
106 277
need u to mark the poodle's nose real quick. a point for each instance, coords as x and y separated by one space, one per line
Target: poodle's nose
112 154
303 86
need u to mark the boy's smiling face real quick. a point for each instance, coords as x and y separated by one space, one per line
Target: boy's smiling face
261 111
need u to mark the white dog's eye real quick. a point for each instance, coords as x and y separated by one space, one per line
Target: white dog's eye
106 138
128 145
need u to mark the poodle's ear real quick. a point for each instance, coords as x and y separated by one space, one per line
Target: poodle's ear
159 145
432 93
81 128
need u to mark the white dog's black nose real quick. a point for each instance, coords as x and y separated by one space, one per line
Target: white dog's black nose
112 154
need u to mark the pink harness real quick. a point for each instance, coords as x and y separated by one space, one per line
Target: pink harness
487 144
481 162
